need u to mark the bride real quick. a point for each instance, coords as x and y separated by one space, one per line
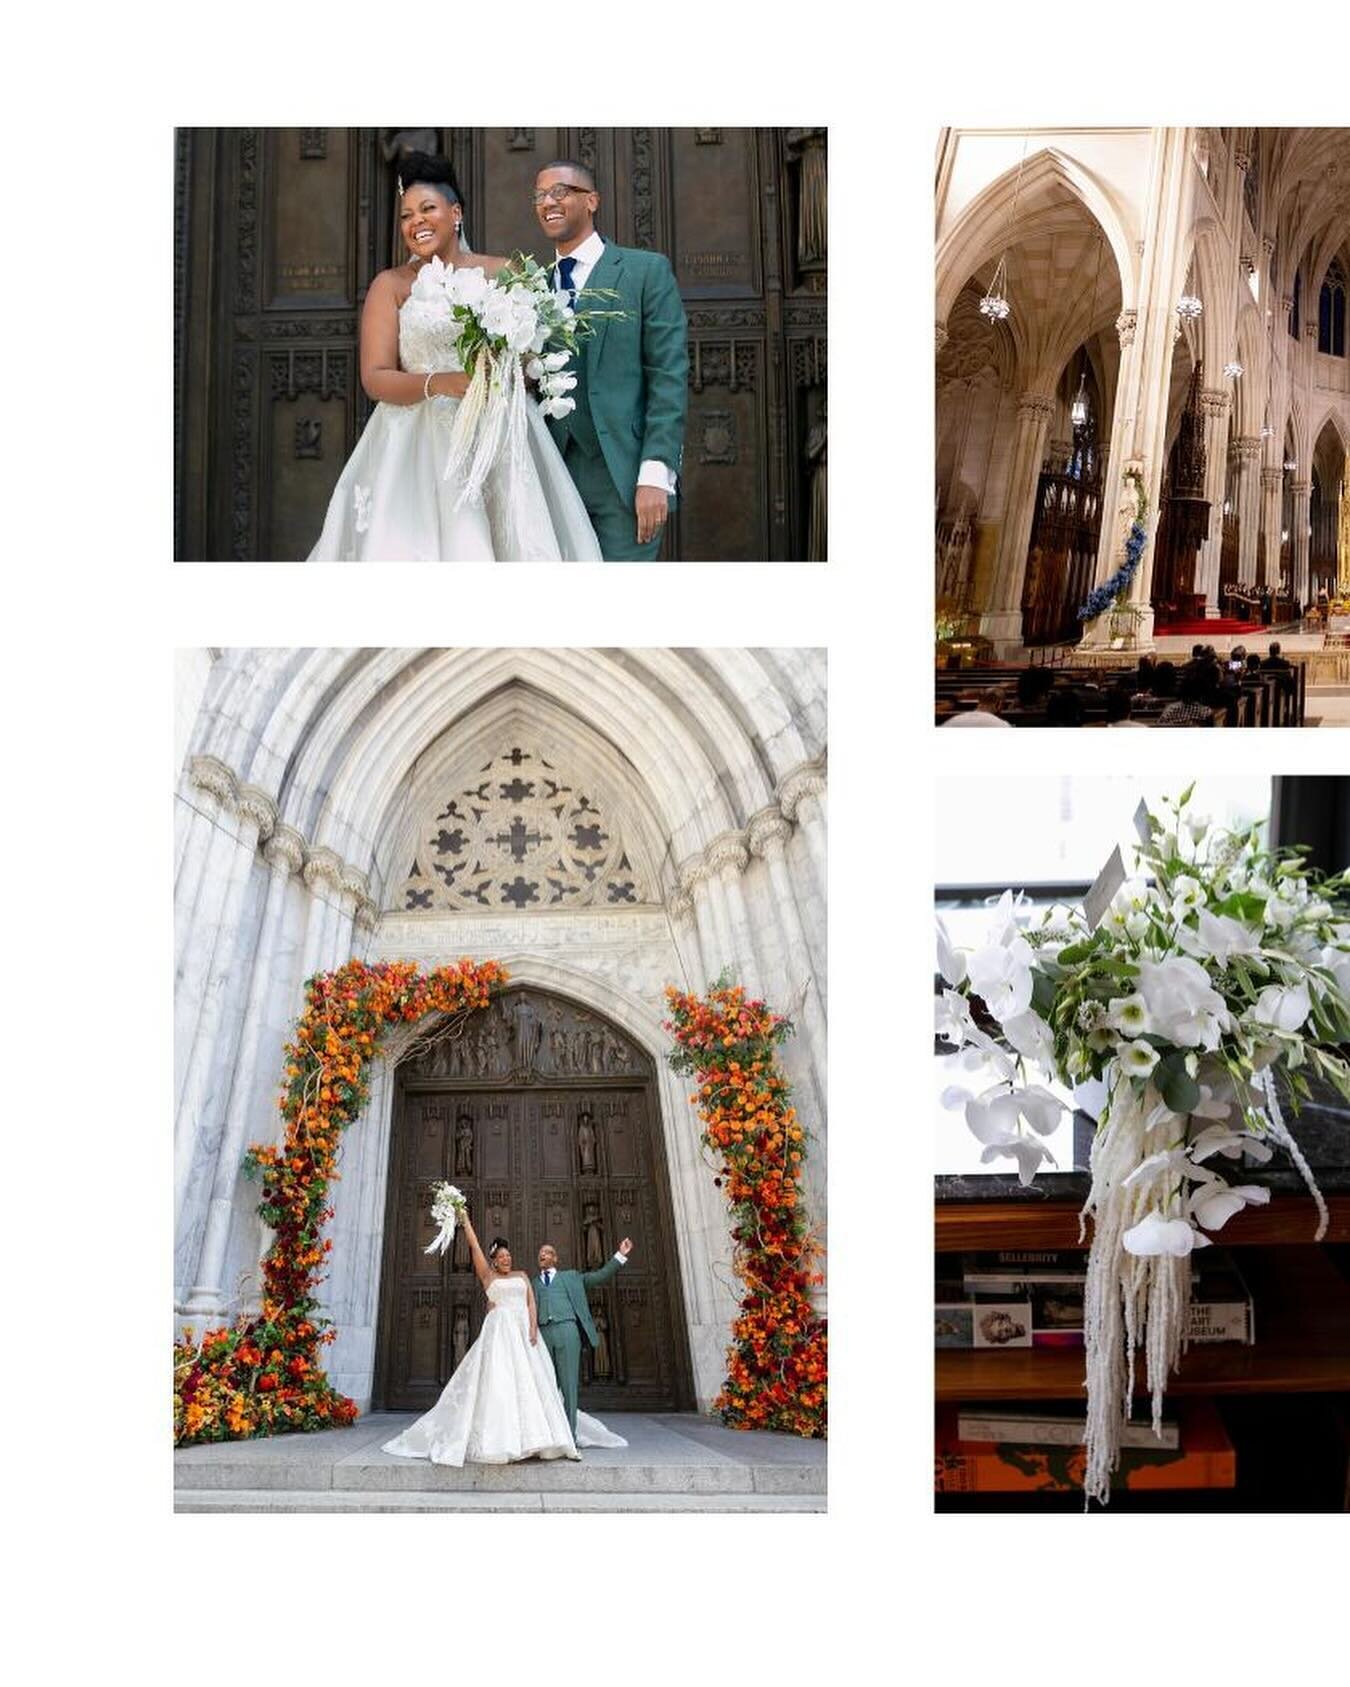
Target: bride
502 1404
392 502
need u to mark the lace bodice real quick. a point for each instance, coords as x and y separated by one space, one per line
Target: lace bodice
426 336
508 1291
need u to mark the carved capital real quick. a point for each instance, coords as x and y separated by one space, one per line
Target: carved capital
692 873
768 831
1213 402
1272 479
1301 488
257 806
353 883
1248 448
1032 406
284 851
1287 304
805 781
728 850
1267 247
323 866
1243 160
1126 323
680 907
210 774
367 913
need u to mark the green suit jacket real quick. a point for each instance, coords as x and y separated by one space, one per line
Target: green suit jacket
573 1285
636 368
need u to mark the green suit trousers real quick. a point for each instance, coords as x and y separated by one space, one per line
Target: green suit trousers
563 1341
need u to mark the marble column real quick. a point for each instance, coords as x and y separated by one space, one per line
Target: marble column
1002 621
1214 405
801 800
1272 497
684 931
196 1124
215 787
284 852
721 917
322 867
1249 506
1302 490
768 833
728 857
694 885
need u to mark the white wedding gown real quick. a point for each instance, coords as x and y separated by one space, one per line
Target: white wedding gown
502 1404
393 504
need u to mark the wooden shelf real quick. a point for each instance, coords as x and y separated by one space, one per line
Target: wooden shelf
967 1226
1302 1346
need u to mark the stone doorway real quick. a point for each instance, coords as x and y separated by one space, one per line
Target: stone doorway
547 1117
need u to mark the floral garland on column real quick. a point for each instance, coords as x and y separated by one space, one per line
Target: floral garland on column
776 1365
1224 969
261 1376
1100 598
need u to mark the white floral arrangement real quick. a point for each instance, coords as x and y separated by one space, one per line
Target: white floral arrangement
1221 967
513 327
447 1203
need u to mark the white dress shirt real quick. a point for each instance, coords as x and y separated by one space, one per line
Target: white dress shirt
652 471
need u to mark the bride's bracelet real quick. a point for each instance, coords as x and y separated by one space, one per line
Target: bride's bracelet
426 385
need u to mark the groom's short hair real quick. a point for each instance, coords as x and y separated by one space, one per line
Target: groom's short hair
587 175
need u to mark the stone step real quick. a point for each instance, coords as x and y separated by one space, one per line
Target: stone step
669 1455
362 1500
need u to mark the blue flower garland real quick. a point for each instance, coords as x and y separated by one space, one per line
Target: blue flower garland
1100 598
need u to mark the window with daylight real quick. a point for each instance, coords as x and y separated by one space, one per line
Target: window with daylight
521 833
1331 312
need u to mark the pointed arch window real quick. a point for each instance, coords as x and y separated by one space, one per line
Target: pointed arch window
1331 311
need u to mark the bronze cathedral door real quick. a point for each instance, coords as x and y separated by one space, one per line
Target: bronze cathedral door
279 232
547 1118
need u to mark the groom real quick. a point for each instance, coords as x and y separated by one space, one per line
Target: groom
624 441
565 1317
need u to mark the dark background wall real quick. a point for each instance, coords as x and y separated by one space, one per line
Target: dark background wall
278 233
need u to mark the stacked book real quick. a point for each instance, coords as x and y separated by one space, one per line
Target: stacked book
1019 1448
1024 1298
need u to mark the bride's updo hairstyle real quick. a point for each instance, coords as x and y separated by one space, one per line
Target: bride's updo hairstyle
496 1245
430 169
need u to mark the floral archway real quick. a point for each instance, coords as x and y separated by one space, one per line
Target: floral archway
262 1376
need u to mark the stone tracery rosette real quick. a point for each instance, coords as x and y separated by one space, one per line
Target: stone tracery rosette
523 832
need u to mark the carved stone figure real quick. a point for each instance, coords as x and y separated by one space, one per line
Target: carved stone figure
464 1146
459 1337
594 1245
586 1145
812 219
527 1033
557 1044
601 1364
816 441
459 1251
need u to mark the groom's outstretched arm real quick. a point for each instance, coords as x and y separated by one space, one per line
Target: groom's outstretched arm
592 1279
665 363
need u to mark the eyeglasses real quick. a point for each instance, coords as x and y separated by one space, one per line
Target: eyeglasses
557 193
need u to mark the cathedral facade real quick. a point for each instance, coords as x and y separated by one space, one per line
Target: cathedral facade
605 824
1140 314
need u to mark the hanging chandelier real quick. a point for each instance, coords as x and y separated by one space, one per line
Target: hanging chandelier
995 303
1232 370
1078 410
1189 307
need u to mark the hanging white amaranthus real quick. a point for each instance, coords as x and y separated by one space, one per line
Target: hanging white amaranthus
1221 968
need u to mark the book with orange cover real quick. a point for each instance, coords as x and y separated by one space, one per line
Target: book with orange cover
1206 1458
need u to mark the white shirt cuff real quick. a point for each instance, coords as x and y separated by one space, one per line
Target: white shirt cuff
622 1258
655 473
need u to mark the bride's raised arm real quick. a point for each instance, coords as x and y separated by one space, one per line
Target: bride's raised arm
480 1263
381 376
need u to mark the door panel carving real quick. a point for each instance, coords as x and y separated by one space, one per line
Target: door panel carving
555 1112
279 232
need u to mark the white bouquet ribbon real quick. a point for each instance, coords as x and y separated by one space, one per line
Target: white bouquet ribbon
491 417
446 1205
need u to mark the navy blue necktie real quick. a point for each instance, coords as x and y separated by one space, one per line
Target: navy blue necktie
566 267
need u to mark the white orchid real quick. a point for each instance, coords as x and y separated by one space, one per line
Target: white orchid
1030 1036
951 962
1155 1234
1001 977
1282 1007
1219 1139
1214 1204
1183 1007
1220 937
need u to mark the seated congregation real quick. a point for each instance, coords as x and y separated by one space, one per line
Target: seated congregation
1245 689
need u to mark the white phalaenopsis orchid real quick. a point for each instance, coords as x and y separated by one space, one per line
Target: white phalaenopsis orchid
1218 972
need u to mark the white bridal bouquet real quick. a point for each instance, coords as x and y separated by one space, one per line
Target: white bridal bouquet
510 328
447 1203
1221 968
